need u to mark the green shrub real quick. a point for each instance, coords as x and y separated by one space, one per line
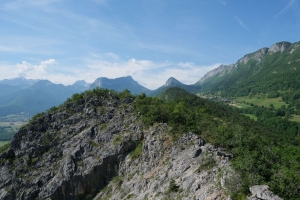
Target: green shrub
4 147
137 151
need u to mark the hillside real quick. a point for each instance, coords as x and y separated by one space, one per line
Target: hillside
268 78
172 82
266 70
36 98
112 145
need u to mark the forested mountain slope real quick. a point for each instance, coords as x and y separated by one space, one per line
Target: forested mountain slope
266 70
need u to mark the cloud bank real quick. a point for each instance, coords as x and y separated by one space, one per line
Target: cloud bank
146 72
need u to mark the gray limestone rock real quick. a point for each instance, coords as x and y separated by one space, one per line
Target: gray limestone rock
262 192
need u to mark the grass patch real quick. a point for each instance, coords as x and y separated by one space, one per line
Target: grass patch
130 196
4 146
207 164
295 118
117 139
8 129
138 151
2 143
277 102
240 105
251 116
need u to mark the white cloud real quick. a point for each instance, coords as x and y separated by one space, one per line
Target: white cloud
4 69
148 73
40 71
48 62
241 23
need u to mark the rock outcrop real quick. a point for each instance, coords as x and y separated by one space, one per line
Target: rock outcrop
279 47
69 153
257 56
218 72
185 169
262 192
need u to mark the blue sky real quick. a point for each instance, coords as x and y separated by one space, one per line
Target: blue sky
151 40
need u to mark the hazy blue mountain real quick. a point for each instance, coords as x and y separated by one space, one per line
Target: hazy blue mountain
120 84
40 95
36 98
8 89
172 82
81 85
19 82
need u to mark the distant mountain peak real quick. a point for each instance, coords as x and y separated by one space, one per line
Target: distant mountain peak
120 84
172 81
81 83
21 82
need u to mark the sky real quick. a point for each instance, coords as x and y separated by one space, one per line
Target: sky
150 40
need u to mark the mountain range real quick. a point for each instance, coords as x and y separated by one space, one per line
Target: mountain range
268 69
33 96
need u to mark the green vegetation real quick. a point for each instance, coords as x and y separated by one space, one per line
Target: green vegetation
272 81
36 116
251 116
172 186
117 139
10 124
240 105
4 146
295 118
3 143
8 129
265 151
207 164
277 102
137 151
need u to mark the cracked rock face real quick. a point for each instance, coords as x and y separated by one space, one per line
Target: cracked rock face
279 47
69 153
196 168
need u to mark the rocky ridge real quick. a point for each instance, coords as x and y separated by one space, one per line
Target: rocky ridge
77 150
219 71
94 146
185 169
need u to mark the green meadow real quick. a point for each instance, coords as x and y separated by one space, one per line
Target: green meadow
277 102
